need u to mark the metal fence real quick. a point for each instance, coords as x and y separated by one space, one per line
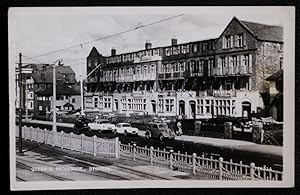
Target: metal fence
199 165
81 143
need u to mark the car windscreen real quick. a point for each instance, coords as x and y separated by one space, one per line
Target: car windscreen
162 126
126 125
104 122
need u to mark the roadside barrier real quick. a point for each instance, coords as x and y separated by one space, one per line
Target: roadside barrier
199 165
81 143
216 169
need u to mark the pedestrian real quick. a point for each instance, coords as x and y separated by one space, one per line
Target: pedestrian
179 127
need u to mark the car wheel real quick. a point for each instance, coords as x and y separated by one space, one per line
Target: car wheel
125 133
100 131
148 135
161 137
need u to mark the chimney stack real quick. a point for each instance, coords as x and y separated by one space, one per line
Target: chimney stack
113 52
174 41
148 44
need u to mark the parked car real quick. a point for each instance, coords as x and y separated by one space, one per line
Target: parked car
81 124
125 128
101 125
159 130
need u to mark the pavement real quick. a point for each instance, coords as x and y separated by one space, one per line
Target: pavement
47 163
215 142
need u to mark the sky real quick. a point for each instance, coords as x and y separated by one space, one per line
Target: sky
36 31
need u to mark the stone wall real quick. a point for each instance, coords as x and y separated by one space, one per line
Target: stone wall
267 62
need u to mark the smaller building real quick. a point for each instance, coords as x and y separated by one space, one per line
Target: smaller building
67 98
276 95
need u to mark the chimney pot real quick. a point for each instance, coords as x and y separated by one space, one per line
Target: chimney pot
148 44
113 52
174 41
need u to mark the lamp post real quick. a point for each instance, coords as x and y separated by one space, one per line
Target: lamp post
60 62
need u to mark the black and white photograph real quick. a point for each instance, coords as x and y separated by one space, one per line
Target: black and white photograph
151 97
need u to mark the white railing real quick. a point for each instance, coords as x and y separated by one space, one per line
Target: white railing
199 165
196 165
81 143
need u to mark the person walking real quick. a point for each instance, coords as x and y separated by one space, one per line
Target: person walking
179 127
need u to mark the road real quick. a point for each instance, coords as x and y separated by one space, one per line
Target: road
235 152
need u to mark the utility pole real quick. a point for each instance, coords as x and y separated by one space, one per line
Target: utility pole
54 100
26 100
20 102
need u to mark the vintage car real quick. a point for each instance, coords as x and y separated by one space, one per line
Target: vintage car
125 129
101 125
81 125
159 130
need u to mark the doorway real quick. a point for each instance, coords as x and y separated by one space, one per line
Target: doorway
181 107
193 109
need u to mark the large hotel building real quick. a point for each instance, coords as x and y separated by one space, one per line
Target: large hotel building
222 76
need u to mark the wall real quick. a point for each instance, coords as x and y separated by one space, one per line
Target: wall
267 62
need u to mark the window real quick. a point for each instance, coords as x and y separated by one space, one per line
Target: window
95 102
195 48
239 40
176 67
31 105
161 105
223 61
227 42
40 108
73 100
182 66
203 46
234 60
169 105
245 60
168 52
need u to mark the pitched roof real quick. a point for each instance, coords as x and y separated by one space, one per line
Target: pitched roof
264 32
46 75
61 89
94 52
276 76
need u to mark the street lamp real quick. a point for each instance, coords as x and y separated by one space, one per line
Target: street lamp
81 86
59 63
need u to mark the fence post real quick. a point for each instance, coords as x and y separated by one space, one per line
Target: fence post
194 163
252 166
62 139
95 145
117 148
81 143
134 151
30 132
151 155
37 135
23 132
71 141
53 138
171 159
45 135
220 168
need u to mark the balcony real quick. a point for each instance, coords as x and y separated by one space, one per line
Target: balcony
170 75
237 70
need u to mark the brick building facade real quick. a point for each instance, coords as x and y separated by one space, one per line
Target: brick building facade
221 76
